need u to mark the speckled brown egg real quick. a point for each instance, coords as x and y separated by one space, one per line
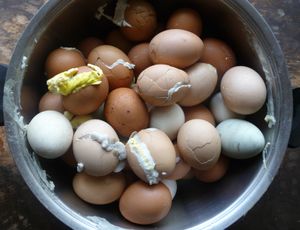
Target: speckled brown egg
62 59
199 144
99 190
125 111
141 17
198 112
243 90
176 47
117 39
87 99
215 173
115 65
203 79
51 101
185 19
219 54
162 85
93 148
139 56
145 204
151 155
88 44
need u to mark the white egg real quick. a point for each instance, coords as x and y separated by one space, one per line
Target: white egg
220 110
50 134
168 119
240 139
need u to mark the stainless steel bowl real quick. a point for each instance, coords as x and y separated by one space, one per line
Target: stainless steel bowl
197 206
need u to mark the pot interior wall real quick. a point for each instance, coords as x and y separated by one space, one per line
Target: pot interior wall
69 24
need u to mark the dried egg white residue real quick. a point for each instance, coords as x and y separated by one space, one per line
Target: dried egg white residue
145 160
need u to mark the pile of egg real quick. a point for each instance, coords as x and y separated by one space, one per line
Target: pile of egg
145 108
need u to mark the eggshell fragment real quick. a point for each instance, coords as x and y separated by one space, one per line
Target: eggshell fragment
198 112
115 65
220 110
145 204
99 190
49 134
175 47
125 111
51 101
141 19
240 139
139 56
185 19
162 85
94 148
62 59
87 99
168 119
203 79
219 54
151 155
199 144
243 90
215 173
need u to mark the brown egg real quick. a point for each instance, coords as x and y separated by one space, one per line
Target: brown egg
198 112
145 204
51 101
115 65
117 39
69 158
162 85
99 190
215 173
185 19
203 80
176 47
181 168
199 144
141 17
94 157
151 155
125 111
62 59
87 99
139 56
217 53
88 44
243 90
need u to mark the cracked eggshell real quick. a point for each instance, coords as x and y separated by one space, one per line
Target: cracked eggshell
198 112
243 90
162 85
99 190
199 144
220 110
125 111
240 139
106 57
50 134
145 204
160 149
87 99
62 59
168 119
203 79
96 160
176 47
142 20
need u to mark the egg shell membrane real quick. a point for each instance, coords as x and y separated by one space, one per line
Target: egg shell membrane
145 204
154 83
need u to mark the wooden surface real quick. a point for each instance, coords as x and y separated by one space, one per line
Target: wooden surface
278 209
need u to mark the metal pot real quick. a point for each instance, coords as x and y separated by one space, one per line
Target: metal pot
65 22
